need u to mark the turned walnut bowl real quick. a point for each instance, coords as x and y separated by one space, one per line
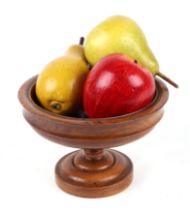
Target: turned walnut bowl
94 170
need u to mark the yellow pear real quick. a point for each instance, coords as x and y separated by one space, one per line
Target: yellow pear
121 34
59 86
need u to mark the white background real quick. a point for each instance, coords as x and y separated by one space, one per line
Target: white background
34 32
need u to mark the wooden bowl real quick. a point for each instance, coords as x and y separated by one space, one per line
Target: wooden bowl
95 170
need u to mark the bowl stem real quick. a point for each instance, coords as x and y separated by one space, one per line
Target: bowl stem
93 154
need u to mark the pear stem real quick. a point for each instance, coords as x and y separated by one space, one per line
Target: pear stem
167 79
81 40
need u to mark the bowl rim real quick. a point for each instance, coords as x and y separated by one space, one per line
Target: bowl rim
28 103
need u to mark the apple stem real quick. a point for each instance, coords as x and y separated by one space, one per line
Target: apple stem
167 79
81 40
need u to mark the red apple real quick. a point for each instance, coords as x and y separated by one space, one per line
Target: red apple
117 86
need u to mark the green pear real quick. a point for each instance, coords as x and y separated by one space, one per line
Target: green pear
120 34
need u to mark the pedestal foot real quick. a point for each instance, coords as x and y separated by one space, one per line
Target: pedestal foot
94 173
